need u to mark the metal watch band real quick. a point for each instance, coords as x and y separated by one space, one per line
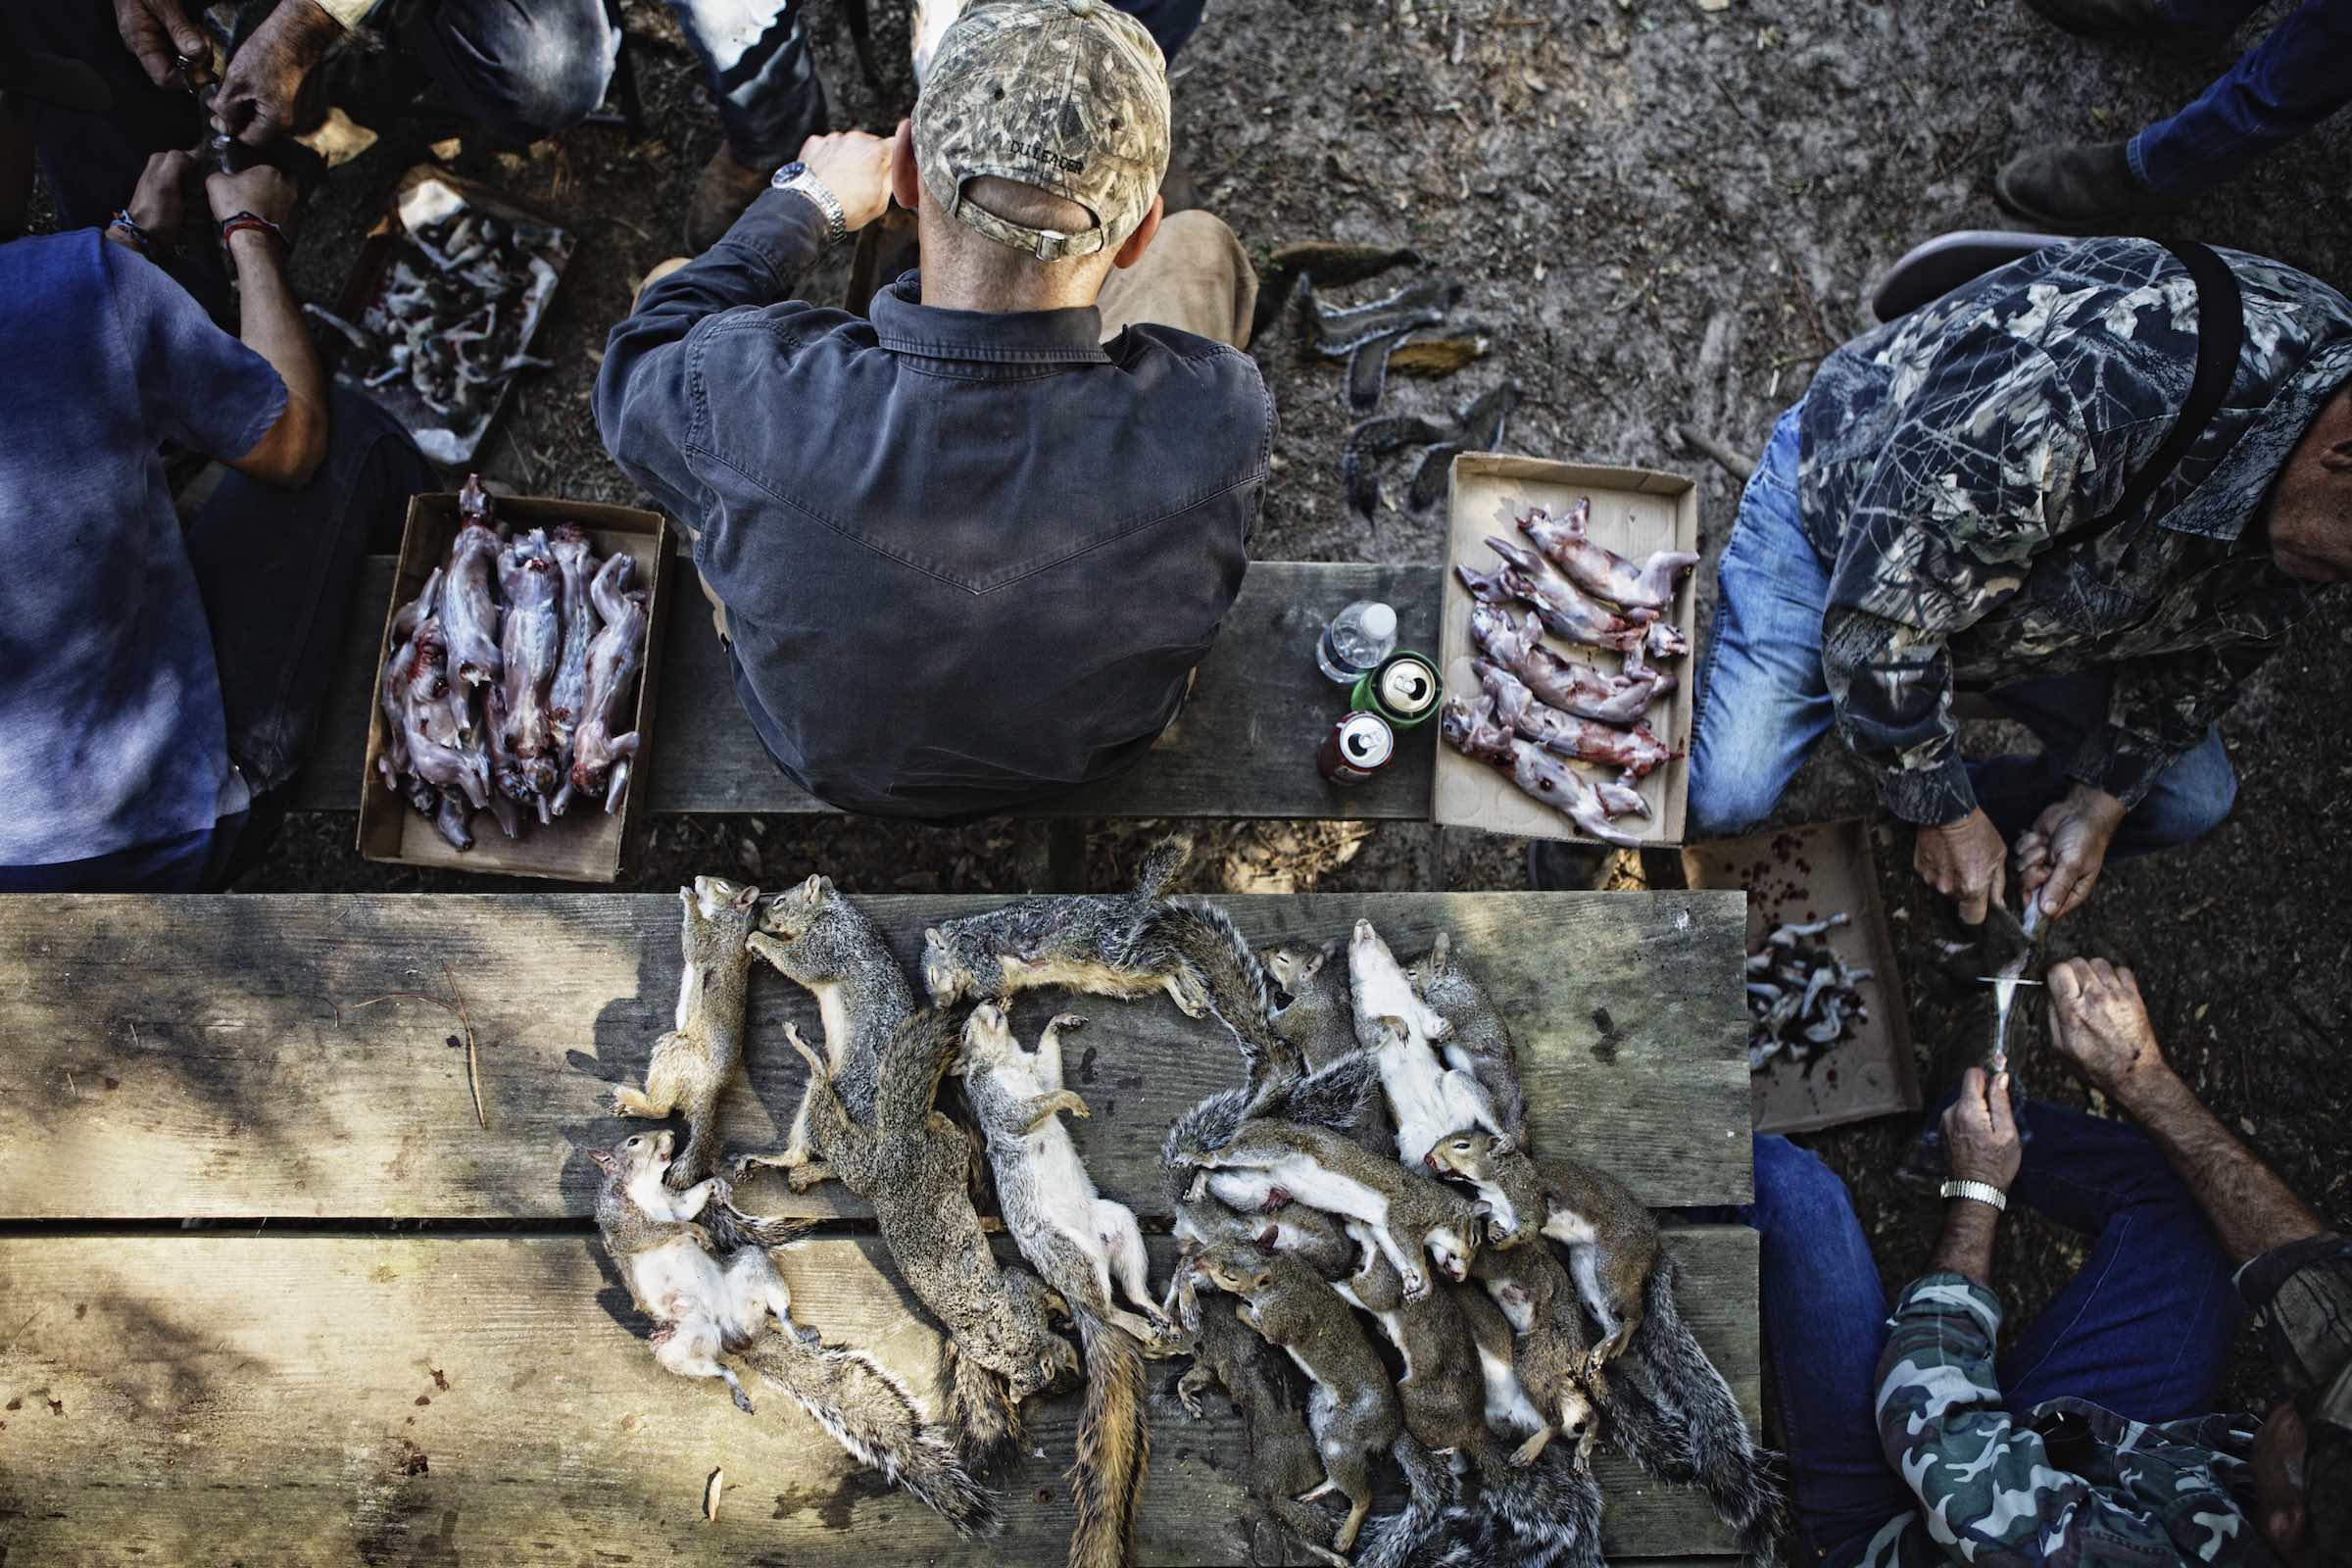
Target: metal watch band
1981 1192
837 226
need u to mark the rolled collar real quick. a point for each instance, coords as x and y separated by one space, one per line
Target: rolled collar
904 324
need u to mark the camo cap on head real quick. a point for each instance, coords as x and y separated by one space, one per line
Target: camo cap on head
1067 95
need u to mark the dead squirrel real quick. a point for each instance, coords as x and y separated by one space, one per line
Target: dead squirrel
1460 1375
1343 1094
1480 1043
1530 1287
691 1064
1626 1281
1318 1020
1125 945
1081 1243
1611 1240
703 1308
1265 1164
1427 1098
1283 1460
913 1163
819 940
1530 1290
1353 1409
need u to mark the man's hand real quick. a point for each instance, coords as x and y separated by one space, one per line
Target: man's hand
1965 861
1980 1128
2061 856
2099 1022
255 101
160 204
856 168
156 32
264 190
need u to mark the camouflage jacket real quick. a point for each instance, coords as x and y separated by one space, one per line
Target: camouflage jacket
1941 454
2076 1486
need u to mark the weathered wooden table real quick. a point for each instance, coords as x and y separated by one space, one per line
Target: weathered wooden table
389 1338
1245 745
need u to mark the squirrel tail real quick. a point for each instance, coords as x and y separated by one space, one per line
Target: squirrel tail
1240 991
731 1229
1161 863
1732 1469
1410 1534
980 1406
1114 1447
1544 1515
874 1418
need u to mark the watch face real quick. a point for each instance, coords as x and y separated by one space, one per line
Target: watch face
788 173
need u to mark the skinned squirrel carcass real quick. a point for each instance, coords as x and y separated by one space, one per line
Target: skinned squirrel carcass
1569 685
567 692
1633 747
530 640
1472 730
703 1271
1565 608
600 747
1598 569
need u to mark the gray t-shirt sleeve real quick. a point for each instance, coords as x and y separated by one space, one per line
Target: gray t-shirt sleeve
197 385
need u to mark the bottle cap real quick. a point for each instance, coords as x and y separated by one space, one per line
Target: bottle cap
1380 620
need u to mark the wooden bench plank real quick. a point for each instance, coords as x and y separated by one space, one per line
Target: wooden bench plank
1243 746
430 1400
234 1056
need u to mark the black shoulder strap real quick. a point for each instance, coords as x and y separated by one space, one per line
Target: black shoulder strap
2221 335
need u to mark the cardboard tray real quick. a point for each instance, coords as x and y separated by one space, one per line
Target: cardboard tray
584 844
1808 873
1635 511
366 280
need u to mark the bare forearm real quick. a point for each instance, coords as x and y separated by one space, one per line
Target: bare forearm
1966 1246
269 320
2251 1209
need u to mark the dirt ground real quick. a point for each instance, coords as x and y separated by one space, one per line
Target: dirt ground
1661 213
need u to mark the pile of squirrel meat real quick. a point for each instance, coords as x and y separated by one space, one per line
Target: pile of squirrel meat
1363 1197
1537 711
510 680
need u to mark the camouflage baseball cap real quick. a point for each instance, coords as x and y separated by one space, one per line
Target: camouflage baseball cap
1067 95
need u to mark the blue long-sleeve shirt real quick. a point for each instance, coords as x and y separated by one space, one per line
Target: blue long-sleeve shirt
968 559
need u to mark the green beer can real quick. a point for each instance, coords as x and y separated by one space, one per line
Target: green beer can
1402 689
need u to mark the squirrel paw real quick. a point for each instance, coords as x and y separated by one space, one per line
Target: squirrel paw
1277 1199
1188 1390
807 1334
1416 1284
1065 1022
743 1402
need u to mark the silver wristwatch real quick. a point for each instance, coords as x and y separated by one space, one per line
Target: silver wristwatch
795 176
1981 1192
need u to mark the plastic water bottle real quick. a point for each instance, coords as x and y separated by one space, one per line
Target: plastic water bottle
1357 639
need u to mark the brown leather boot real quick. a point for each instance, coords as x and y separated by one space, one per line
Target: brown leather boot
2077 188
721 191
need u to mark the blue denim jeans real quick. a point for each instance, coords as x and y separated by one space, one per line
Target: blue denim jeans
530 67
2142 1329
2299 74
1765 701
276 570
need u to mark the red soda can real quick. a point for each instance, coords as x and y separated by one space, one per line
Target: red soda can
1357 746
